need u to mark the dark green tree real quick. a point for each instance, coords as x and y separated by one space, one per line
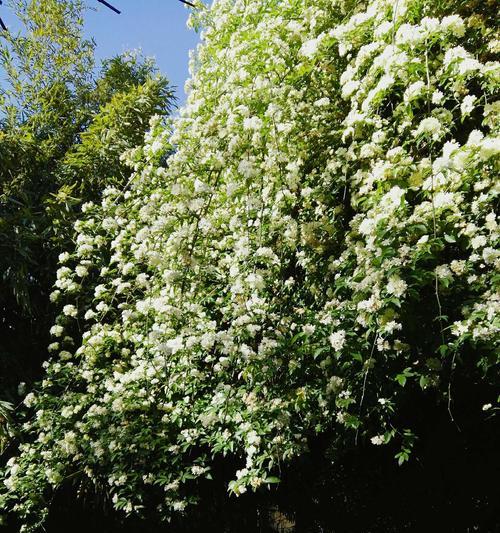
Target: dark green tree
63 125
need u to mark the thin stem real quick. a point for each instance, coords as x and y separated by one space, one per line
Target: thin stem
364 384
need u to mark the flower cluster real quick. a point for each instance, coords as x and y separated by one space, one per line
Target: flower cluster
321 242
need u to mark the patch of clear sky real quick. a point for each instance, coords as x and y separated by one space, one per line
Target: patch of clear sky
156 27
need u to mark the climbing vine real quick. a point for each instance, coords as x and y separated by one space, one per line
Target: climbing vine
311 244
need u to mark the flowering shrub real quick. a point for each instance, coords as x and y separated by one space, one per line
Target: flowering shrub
320 248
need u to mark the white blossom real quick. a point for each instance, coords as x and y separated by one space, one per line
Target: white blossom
337 340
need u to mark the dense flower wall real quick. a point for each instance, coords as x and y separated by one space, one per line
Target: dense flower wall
320 247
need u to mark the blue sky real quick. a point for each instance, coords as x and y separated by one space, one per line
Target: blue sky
157 27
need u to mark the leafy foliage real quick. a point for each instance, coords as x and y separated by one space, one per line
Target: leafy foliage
317 258
55 117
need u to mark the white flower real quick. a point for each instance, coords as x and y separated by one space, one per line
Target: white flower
247 168
252 123
370 305
89 205
396 286
128 268
444 199
392 199
487 406
322 102
349 88
491 221
408 34
174 345
385 27
179 506
156 146
65 355
414 90
57 331
377 440
253 438
309 329
489 147
197 470
294 26
443 272
63 273
241 473
367 226
207 340
437 97
309 48
90 314
455 24
479 241
459 328
29 400
430 126
490 255
54 296
475 138
337 340
430 24
81 271
102 307
379 136
70 310
467 105
99 291
454 54
457 267
392 326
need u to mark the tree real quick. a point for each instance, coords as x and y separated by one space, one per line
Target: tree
62 130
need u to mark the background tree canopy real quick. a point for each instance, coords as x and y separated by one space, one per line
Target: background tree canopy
278 312
64 125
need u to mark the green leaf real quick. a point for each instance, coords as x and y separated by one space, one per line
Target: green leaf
296 337
443 349
320 350
402 457
401 379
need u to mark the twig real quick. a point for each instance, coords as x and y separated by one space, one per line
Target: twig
364 384
449 391
436 280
